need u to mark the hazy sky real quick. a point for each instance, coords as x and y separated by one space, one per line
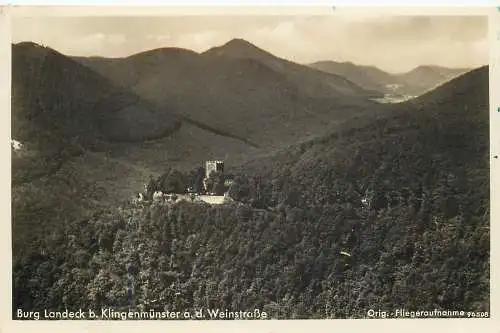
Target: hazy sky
392 43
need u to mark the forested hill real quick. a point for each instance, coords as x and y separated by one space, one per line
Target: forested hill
390 212
240 89
57 102
415 82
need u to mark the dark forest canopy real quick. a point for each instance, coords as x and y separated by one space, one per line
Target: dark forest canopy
405 193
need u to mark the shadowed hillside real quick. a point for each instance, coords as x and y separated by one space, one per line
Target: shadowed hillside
390 211
251 94
311 81
130 70
56 100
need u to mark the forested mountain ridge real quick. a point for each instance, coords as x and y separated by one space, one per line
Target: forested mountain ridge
258 96
424 78
415 82
60 109
404 192
56 99
368 77
89 143
311 81
68 118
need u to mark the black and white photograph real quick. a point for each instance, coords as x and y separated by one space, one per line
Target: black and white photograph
250 167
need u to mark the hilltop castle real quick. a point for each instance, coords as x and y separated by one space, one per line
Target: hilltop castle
218 193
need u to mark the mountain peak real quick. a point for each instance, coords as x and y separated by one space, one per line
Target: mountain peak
163 52
240 42
28 45
238 47
424 68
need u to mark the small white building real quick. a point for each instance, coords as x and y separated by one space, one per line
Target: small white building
16 144
212 199
215 199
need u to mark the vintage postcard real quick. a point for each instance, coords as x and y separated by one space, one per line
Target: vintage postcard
187 168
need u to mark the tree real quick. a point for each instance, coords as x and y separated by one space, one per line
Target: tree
151 187
173 182
195 179
215 183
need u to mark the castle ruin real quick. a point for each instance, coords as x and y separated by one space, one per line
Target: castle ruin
213 166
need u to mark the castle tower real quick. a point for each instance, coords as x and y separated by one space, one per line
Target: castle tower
211 166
